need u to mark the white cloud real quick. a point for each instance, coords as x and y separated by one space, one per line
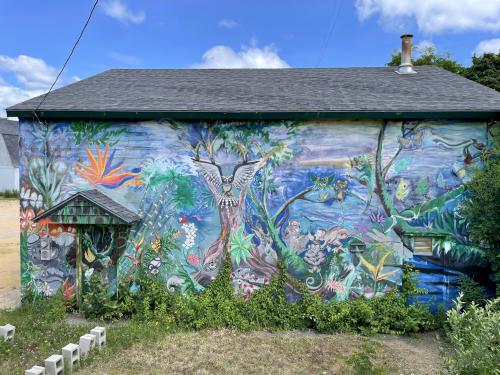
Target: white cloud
434 16
219 57
227 24
119 10
33 77
487 46
425 45
33 73
124 58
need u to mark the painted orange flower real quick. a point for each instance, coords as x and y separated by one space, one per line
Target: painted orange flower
101 170
27 219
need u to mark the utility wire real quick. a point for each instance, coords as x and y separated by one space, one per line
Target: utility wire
67 60
333 23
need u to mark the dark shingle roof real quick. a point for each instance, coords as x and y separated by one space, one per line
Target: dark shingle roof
12 143
9 127
100 199
9 130
352 90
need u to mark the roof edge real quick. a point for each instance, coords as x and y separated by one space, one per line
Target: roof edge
82 194
200 115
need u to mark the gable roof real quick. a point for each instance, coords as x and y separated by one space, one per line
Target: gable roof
118 213
244 93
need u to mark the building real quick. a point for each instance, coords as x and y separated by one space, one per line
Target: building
9 155
343 174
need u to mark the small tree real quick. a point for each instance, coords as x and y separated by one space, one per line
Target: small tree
482 209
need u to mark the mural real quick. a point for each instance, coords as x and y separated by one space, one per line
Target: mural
340 202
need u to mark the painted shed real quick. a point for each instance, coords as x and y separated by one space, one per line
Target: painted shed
344 174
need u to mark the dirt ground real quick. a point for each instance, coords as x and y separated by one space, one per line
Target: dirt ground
9 253
228 352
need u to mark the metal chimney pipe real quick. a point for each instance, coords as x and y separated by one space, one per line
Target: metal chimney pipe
406 66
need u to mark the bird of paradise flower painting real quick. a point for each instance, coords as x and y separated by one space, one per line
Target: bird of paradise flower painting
101 170
256 192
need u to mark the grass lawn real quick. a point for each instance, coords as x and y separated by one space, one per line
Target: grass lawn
228 352
133 348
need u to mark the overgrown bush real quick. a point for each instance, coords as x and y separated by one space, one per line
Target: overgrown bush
268 308
474 333
471 291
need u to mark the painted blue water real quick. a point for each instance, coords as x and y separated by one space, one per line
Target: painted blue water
440 282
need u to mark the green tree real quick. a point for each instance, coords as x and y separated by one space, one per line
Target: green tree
482 209
429 56
485 69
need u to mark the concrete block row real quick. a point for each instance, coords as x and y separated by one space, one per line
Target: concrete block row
71 354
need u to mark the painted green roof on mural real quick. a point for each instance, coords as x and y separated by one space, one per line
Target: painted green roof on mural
267 93
89 207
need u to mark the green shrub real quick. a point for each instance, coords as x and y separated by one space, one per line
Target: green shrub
267 308
13 193
474 333
471 291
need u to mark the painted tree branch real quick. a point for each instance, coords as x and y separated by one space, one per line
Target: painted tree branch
282 209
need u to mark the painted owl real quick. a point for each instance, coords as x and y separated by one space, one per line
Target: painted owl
225 185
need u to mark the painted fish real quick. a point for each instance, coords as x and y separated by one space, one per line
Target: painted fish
402 190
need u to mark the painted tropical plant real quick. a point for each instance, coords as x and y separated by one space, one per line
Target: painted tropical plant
46 176
376 270
240 245
97 133
101 170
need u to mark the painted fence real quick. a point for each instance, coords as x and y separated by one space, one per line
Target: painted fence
334 200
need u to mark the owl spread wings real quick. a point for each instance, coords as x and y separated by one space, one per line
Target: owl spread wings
242 174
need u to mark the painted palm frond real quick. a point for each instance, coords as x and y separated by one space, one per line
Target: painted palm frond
240 245
101 170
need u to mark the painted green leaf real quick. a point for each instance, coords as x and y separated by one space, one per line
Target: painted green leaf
402 165
423 186
240 245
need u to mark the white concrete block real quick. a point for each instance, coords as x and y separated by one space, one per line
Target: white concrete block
87 343
54 365
7 332
35 370
100 336
71 354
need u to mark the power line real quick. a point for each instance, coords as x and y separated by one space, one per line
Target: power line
67 60
335 14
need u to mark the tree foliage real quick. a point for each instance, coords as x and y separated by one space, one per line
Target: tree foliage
429 56
482 209
485 69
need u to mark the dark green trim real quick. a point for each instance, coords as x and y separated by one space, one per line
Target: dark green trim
182 115
425 233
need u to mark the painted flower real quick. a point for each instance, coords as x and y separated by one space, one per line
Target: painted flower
193 260
68 291
190 231
335 286
377 217
101 171
27 219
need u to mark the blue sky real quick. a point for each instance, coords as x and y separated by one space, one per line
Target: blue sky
223 33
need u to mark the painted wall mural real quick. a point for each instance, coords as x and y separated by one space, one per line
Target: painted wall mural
340 202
